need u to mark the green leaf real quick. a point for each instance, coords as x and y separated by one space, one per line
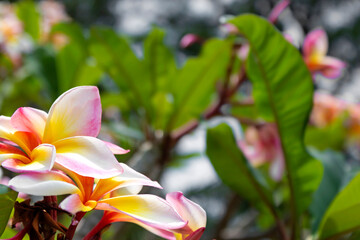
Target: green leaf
343 214
335 135
334 172
69 62
232 167
158 60
7 201
30 17
160 66
71 58
73 31
193 87
283 89
116 57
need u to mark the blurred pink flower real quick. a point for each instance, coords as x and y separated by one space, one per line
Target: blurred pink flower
314 52
189 40
263 145
326 109
13 40
277 10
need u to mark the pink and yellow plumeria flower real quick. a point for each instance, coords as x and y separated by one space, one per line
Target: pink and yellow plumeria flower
116 194
314 51
190 212
262 145
65 137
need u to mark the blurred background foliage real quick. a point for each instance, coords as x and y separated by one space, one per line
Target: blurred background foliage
158 96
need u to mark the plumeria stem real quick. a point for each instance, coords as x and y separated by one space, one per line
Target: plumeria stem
20 235
74 223
102 224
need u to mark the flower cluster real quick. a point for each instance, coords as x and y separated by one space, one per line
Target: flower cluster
328 109
14 41
57 153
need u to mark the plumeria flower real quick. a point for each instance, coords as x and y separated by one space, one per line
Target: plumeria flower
190 212
13 40
263 145
326 109
118 194
314 51
65 137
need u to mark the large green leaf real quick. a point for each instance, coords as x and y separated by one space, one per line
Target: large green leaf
194 85
343 214
160 66
30 17
334 172
232 167
115 56
7 201
283 85
71 58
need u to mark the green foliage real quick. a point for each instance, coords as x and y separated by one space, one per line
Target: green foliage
232 167
72 64
115 56
343 214
7 201
334 173
170 97
335 135
30 17
283 91
194 85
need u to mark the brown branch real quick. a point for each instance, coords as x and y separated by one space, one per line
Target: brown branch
213 110
231 208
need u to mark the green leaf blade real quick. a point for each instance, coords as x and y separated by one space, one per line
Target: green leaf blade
283 91
7 201
343 214
232 167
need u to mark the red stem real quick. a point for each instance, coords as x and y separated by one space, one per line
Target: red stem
74 223
103 223
20 235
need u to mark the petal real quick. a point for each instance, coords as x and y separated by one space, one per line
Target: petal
6 128
25 140
42 159
332 67
196 235
43 184
149 209
76 112
277 168
115 149
315 44
87 156
31 120
73 204
8 151
128 178
112 217
188 210
277 10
